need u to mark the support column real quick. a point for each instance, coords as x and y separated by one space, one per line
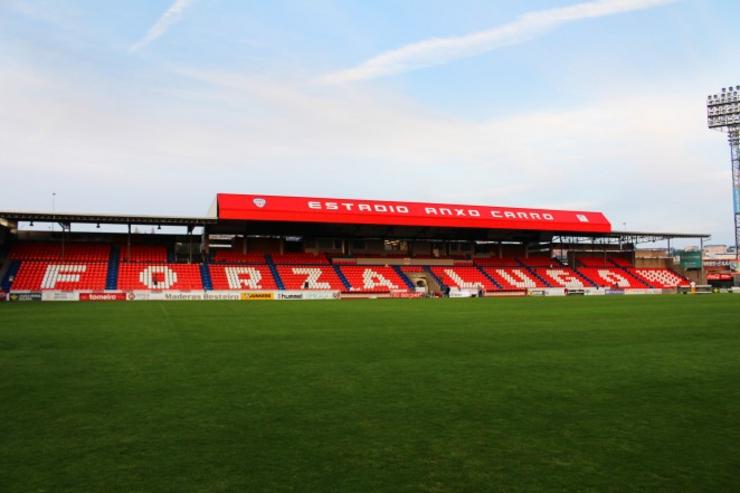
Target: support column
204 246
190 245
128 244
734 139
63 238
702 280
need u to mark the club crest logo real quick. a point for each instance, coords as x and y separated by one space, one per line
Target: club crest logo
259 202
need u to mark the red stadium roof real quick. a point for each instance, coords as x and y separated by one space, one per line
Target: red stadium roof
392 213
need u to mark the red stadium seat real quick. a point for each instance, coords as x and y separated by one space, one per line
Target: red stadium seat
515 278
141 276
610 277
603 262
35 276
660 278
344 261
561 277
463 278
621 262
373 278
242 277
310 277
594 262
143 253
53 251
540 261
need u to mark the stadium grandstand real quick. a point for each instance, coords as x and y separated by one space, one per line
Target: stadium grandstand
255 244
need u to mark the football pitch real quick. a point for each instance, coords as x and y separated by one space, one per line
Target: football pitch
550 394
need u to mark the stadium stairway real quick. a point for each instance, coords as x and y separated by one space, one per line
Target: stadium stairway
111 278
534 273
658 283
342 277
620 262
585 278
403 276
171 256
12 271
275 273
429 271
630 275
622 267
205 276
487 276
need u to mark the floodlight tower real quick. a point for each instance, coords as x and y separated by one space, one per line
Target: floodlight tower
723 113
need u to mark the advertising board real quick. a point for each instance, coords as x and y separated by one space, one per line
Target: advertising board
634 291
103 296
463 293
690 259
506 293
60 296
402 293
258 296
221 295
225 295
184 295
24 296
307 295
595 291
546 292
145 295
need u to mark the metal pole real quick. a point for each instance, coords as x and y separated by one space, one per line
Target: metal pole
669 248
204 247
53 209
128 244
190 245
604 247
701 262
734 140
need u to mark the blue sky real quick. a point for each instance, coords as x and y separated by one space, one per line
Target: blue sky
155 106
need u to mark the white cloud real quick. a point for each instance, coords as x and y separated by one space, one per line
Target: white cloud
170 17
172 151
437 51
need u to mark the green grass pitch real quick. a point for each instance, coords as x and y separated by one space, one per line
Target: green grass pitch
552 394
